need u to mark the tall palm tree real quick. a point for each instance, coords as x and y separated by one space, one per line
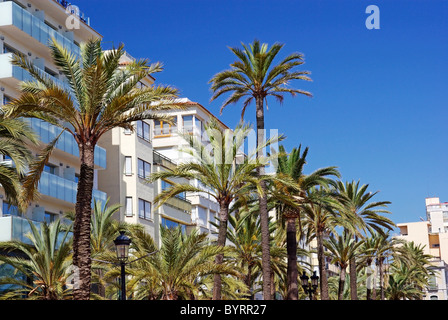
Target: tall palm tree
222 175
343 248
253 76
15 138
45 262
365 216
100 95
292 165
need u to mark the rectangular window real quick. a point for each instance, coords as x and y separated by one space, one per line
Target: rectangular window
172 224
188 124
144 209
8 49
128 166
49 217
163 128
9 210
202 215
6 99
144 169
129 211
143 130
50 168
166 185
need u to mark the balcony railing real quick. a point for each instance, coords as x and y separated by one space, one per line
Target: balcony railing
160 159
13 14
47 132
16 228
63 189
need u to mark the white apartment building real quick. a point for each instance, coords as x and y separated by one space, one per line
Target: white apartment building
25 28
131 159
433 234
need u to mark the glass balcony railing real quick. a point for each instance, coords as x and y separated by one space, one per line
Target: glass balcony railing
63 189
13 14
47 132
17 228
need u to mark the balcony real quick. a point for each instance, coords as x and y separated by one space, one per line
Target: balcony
15 74
47 132
14 18
160 160
63 189
16 228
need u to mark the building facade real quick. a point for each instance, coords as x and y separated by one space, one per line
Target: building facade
26 27
433 235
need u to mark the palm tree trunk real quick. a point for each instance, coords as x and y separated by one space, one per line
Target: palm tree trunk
353 279
341 284
353 276
81 228
222 236
264 215
292 271
382 296
323 274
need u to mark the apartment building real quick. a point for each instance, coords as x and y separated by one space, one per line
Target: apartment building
168 142
26 28
131 159
433 235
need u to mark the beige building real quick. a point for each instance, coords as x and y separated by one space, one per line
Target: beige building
25 28
433 235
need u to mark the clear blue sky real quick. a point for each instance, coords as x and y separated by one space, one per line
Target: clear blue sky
379 111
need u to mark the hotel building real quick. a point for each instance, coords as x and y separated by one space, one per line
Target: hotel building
26 28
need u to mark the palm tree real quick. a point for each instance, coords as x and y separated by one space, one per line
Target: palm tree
364 216
343 248
254 77
320 217
292 166
104 229
100 95
222 175
15 135
175 272
46 262
244 235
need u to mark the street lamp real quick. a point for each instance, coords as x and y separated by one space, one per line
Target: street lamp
310 287
122 244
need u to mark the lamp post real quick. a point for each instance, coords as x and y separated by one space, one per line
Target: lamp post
310 287
122 244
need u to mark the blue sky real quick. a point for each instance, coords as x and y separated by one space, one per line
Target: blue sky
379 111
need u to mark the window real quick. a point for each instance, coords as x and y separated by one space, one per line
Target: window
9 210
202 215
129 211
173 224
144 169
144 209
143 130
166 185
128 166
188 123
49 217
50 168
163 128
6 99
8 49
